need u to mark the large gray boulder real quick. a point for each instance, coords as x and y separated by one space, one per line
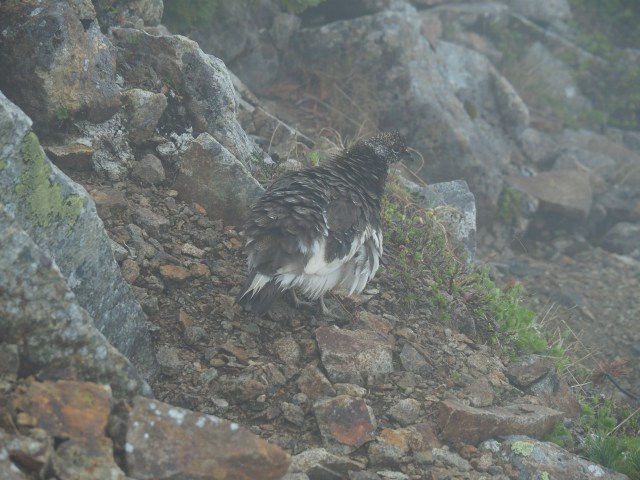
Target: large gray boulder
60 217
450 103
54 66
55 336
202 82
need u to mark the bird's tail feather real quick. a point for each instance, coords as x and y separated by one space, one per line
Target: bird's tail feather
258 302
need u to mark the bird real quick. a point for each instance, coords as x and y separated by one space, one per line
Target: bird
319 229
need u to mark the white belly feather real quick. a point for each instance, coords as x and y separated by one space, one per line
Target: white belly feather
349 273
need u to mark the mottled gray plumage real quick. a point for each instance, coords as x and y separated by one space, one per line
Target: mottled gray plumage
319 229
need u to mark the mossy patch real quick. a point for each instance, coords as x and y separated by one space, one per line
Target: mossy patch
522 448
44 201
509 206
3 164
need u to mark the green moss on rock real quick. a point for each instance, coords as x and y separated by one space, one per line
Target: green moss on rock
522 448
44 200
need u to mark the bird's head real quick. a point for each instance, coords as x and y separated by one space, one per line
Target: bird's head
388 146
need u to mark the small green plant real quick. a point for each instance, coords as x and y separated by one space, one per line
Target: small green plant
61 114
561 436
509 206
314 158
602 449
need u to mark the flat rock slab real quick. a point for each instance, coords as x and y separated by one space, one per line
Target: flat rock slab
349 356
166 442
461 423
565 191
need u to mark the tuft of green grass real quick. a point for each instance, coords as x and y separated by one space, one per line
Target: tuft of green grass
608 435
603 450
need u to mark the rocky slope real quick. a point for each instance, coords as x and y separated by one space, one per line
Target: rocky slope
154 151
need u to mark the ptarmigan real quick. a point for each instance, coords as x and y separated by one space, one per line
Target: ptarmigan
319 229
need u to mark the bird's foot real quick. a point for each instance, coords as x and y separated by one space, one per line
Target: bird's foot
297 303
322 307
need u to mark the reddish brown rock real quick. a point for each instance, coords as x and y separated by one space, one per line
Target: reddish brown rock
67 409
175 273
168 442
461 423
345 420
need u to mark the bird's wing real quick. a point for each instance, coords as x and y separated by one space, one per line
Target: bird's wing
347 219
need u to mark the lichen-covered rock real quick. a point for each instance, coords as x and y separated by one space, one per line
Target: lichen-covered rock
201 80
53 67
55 336
60 217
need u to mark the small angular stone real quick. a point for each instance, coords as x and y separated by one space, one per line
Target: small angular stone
165 442
143 110
405 411
345 420
287 350
153 223
350 356
413 361
109 201
319 463
451 459
192 250
314 384
480 393
32 455
169 360
73 459
175 273
130 270
528 369
149 170
75 156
